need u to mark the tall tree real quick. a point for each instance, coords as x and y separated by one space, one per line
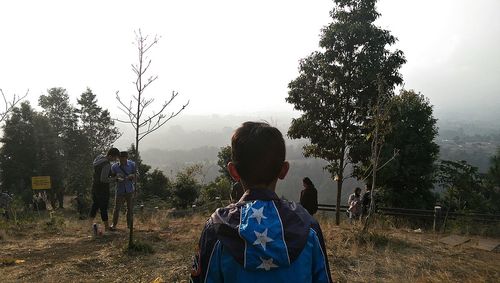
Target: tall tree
63 118
57 107
336 85
143 123
408 180
18 154
49 161
96 123
79 177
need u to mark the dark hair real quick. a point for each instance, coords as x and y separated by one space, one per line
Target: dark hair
258 152
113 152
123 153
308 182
368 186
357 189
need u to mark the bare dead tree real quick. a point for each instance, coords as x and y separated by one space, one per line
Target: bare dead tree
9 104
143 123
381 127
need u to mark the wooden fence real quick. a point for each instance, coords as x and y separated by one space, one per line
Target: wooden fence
436 214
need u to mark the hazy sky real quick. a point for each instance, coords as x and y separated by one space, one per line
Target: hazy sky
238 56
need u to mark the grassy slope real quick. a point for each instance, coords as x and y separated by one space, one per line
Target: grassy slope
65 252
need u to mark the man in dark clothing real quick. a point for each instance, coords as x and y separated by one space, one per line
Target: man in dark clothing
100 185
261 238
309 196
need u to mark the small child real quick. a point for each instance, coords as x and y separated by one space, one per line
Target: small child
261 238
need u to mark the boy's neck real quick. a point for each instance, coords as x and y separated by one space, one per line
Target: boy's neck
271 186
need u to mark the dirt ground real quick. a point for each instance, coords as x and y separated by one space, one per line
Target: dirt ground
62 249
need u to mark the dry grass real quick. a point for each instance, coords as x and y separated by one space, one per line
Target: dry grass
64 251
402 255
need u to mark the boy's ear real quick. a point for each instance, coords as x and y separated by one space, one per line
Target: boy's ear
284 170
233 172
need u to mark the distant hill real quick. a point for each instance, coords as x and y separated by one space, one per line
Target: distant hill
197 139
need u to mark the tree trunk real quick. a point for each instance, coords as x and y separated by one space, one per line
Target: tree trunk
60 197
131 224
340 180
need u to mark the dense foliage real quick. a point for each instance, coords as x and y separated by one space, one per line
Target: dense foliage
336 85
408 179
55 142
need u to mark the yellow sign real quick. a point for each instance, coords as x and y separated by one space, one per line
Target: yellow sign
41 183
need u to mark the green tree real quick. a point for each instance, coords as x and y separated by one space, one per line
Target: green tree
223 158
407 181
464 186
219 188
63 119
57 107
494 171
493 184
18 154
49 160
336 85
79 179
31 147
96 123
157 184
186 188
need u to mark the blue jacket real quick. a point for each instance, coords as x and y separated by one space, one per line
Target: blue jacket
261 239
127 185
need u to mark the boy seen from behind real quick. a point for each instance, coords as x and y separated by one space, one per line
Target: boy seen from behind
261 238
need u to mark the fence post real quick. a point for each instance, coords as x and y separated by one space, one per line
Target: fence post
437 218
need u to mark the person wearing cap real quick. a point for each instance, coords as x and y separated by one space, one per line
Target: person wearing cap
100 185
125 172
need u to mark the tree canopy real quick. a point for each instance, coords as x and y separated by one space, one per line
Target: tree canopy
408 179
336 85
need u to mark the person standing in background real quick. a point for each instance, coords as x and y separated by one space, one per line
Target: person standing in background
125 172
309 196
354 204
100 186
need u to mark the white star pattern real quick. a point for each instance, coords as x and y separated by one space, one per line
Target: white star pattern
258 214
262 239
267 264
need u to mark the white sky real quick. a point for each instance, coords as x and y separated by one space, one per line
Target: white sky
230 57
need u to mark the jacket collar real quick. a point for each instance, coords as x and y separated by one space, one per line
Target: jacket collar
258 194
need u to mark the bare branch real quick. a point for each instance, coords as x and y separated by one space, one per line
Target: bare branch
150 80
9 105
126 109
394 155
156 127
146 68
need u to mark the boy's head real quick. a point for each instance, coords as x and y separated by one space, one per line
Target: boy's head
258 155
113 154
123 156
